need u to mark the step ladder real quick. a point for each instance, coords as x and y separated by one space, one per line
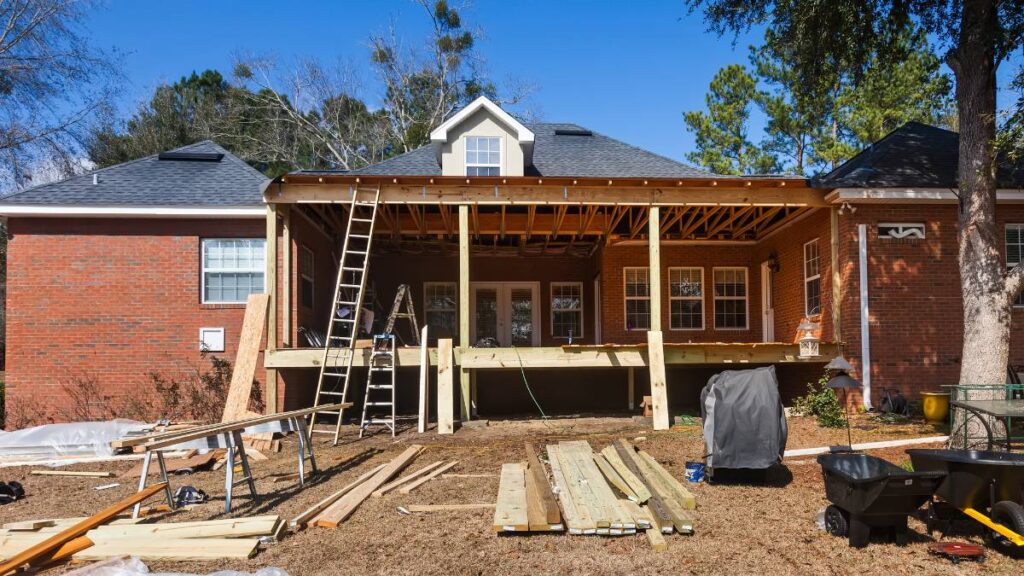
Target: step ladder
379 400
403 296
349 293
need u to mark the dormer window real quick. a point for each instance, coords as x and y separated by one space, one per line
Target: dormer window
483 156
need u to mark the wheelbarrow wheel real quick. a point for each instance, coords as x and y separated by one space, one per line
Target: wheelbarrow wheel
836 522
1011 515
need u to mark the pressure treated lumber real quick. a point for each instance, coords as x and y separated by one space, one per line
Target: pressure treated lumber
659 385
614 478
577 518
655 537
447 507
660 510
151 549
641 518
635 484
82 473
538 480
79 529
657 485
407 478
582 457
445 387
309 513
419 482
339 511
421 426
221 528
510 514
684 496
244 371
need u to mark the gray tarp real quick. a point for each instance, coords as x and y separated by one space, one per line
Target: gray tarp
744 423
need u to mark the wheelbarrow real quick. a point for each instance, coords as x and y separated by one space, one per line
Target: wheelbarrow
986 486
870 494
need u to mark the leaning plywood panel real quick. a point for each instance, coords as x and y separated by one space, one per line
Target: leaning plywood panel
237 405
510 513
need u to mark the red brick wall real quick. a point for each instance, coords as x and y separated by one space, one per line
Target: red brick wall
112 299
916 317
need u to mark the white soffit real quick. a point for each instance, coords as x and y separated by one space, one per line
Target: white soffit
44 211
912 195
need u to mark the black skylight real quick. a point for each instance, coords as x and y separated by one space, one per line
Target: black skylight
572 132
192 156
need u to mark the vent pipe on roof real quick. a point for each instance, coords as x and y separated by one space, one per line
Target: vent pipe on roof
95 179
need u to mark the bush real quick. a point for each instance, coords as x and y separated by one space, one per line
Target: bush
200 395
822 403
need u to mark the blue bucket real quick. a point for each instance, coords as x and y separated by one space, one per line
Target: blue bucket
694 472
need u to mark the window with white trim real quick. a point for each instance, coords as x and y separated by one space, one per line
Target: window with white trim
637 296
567 309
1015 251
440 308
686 298
812 278
483 156
730 298
232 269
307 275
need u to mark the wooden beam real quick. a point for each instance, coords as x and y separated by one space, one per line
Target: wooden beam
464 341
286 276
836 306
654 262
270 281
445 387
659 386
510 514
308 514
339 511
541 488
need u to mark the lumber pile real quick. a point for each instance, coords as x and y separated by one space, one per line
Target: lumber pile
615 492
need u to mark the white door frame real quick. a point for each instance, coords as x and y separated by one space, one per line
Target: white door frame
504 295
767 303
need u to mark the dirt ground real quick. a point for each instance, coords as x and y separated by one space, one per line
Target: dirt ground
739 529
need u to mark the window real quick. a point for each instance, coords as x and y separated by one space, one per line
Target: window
1015 251
637 298
307 274
567 309
483 156
686 298
440 305
731 298
812 278
233 269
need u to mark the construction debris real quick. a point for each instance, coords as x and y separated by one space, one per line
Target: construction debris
340 510
82 473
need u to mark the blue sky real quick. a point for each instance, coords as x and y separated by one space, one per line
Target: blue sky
627 69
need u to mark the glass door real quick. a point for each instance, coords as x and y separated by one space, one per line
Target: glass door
485 315
521 316
505 314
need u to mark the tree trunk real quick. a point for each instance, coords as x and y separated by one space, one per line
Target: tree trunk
986 303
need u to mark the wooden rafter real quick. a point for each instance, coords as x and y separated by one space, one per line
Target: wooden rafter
766 215
709 212
531 214
791 214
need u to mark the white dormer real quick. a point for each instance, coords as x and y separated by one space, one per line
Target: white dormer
482 140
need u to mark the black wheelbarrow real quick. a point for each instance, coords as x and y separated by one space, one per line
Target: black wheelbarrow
870 494
986 486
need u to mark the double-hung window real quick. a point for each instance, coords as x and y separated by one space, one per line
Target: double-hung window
483 156
686 298
730 298
1015 251
440 306
637 298
567 309
232 269
307 276
812 278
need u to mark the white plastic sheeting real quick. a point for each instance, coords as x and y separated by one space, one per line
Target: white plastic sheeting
61 440
135 567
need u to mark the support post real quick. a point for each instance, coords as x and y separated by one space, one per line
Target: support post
445 391
631 381
270 286
424 381
865 317
286 276
837 280
659 386
654 277
464 387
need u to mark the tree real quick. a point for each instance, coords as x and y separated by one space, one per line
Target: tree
721 132
53 83
976 36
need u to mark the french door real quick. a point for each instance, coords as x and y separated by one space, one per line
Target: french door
506 313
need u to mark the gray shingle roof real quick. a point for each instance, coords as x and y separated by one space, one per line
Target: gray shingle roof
151 181
914 155
584 156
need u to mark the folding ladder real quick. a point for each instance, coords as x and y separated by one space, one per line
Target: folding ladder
404 295
380 377
349 292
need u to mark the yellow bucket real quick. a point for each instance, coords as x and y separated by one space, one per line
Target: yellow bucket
935 406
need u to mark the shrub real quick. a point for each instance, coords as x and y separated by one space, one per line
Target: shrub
822 403
200 395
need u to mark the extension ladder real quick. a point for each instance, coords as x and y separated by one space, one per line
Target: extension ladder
404 295
380 377
349 292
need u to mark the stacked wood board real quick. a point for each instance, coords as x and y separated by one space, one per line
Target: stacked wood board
614 492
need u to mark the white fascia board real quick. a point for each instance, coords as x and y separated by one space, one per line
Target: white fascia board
44 211
911 195
439 135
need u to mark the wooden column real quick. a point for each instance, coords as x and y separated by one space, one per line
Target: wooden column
837 280
465 403
654 256
270 286
659 385
286 277
424 381
445 391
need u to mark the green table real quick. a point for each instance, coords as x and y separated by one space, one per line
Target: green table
1005 410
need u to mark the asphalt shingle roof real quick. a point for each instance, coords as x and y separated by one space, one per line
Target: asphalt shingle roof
151 181
585 156
914 155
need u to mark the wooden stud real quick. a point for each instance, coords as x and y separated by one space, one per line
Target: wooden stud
446 507
538 480
654 263
82 473
309 513
464 336
407 478
423 480
445 387
659 385
270 288
339 511
424 382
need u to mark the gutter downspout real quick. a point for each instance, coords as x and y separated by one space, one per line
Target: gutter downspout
865 332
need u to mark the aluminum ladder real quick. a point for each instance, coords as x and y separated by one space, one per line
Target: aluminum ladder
380 377
349 291
403 296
